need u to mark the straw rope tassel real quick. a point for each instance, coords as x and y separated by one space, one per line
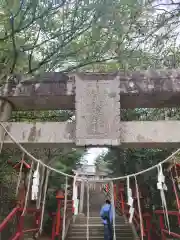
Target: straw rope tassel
161 181
74 189
65 209
38 203
114 212
139 208
28 188
38 179
44 201
20 174
87 229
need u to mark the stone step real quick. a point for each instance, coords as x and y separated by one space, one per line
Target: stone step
78 228
97 233
97 220
98 226
99 237
98 217
99 230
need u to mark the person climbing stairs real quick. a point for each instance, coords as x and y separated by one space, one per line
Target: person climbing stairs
78 229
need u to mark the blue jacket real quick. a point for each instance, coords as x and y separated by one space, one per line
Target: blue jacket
106 208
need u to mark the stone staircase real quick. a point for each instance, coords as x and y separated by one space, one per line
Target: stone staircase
96 200
78 229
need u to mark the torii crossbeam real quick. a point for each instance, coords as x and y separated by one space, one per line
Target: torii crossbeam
97 99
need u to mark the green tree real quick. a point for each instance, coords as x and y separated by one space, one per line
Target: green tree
64 36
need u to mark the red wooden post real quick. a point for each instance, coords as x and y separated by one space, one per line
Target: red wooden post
59 197
38 219
53 228
148 225
107 187
176 195
20 226
58 217
122 202
121 195
161 221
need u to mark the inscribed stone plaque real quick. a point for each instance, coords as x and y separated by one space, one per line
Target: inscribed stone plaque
97 111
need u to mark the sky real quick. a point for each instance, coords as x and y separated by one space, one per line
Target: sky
93 153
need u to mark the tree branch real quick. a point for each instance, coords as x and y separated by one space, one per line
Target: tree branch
35 18
48 57
86 62
31 53
14 46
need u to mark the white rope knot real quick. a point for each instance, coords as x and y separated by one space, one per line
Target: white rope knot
130 201
162 187
35 185
38 203
44 200
139 208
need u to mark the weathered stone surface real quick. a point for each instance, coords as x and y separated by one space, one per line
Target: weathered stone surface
97 112
134 134
48 91
5 113
152 88
44 84
43 134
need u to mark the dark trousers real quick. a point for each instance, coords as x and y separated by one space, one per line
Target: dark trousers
108 233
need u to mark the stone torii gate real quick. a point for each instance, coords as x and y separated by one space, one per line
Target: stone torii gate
97 99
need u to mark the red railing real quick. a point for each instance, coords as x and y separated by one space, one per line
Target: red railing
164 231
122 208
16 212
135 220
151 231
57 218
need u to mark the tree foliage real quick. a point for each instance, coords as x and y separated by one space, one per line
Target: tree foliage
39 35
